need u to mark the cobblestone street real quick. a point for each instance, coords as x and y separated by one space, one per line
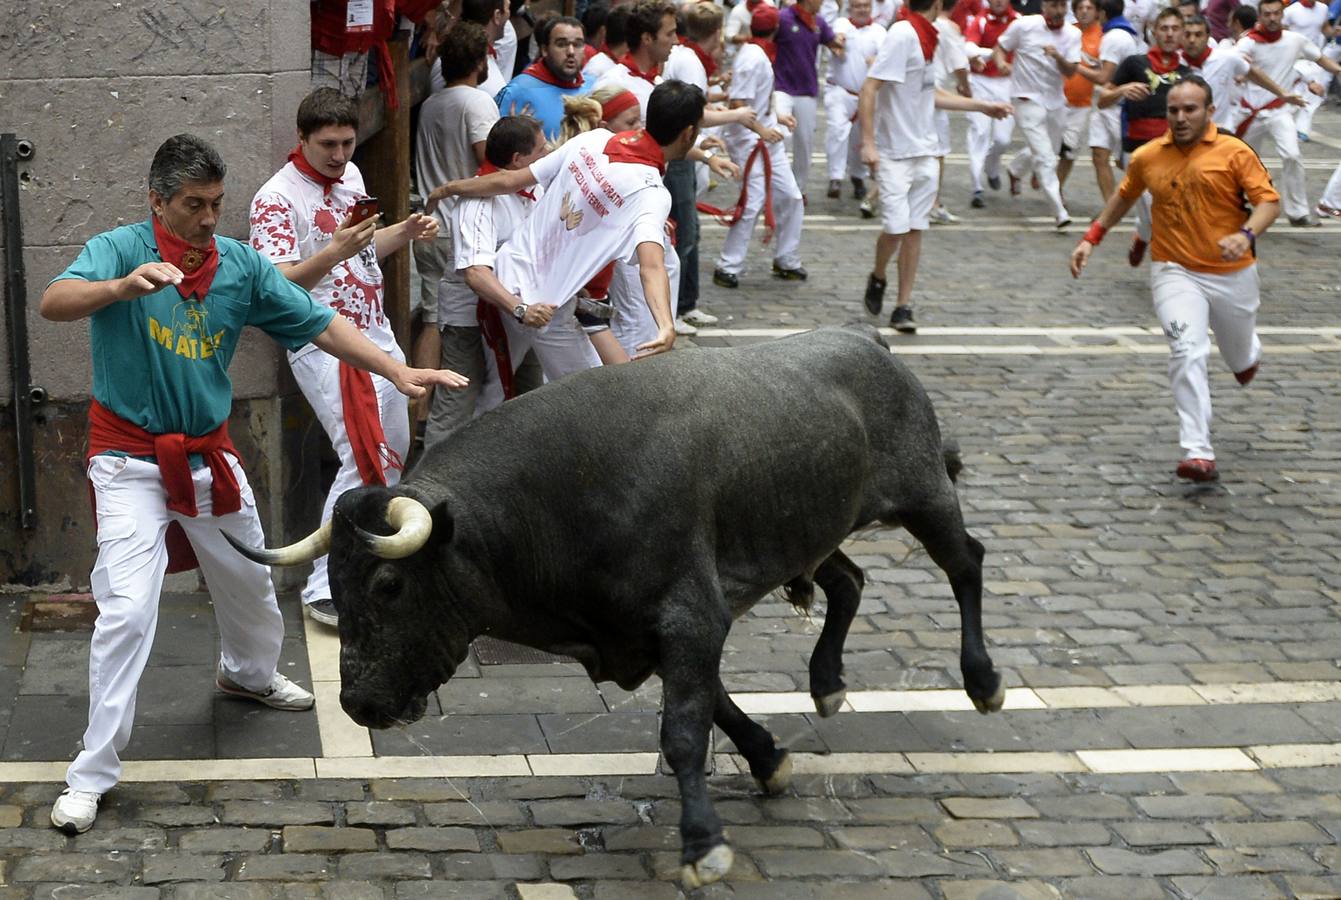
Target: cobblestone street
1173 652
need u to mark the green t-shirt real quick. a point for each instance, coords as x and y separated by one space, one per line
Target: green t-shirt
161 361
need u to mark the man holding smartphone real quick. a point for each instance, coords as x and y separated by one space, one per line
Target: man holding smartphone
313 221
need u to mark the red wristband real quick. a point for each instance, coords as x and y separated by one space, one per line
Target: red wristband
1096 233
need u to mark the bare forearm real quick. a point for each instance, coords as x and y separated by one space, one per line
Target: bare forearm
495 184
1113 211
1258 77
390 239
307 273
72 298
1263 215
485 284
656 288
1110 95
866 109
947 100
346 343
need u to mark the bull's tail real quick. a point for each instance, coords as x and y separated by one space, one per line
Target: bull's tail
800 593
954 462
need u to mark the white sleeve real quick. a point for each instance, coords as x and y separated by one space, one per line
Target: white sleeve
474 234
891 63
546 168
506 48
650 225
745 78
1308 50
1010 38
1239 65
1071 50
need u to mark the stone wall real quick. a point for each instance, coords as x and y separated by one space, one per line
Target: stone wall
97 86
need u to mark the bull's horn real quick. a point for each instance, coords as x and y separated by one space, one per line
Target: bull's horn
318 543
413 525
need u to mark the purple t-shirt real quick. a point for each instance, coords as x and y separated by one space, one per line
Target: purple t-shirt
795 71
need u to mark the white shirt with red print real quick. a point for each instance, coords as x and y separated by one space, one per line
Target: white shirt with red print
292 219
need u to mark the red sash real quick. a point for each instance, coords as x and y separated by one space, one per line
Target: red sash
1242 129
496 339
363 424
734 215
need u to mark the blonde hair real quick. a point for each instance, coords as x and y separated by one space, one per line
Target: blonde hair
584 113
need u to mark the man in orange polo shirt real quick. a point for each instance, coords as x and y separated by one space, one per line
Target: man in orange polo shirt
1204 267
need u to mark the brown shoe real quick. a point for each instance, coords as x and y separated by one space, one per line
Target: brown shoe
1136 252
1247 374
1198 470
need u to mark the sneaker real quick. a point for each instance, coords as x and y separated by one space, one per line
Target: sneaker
74 811
994 182
699 319
281 694
875 294
1033 182
1247 374
902 320
867 209
1014 184
1136 252
1063 221
835 189
1198 470
1324 210
797 274
725 279
977 202
323 611
1303 137
1305 221
941 216
683 328
858 188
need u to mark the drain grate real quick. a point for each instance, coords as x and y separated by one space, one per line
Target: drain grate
493 652
59 612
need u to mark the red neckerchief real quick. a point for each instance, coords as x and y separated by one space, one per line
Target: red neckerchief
1308 4
751 4
927 34
1263 37
588 52
636 147
1157 63
302 165
650 77
709 64
862 23
198 266
1198 63
486 167
540 70
492 52
108 431
806 16
770 47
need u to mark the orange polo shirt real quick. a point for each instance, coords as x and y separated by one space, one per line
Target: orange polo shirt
1199 195
1078 88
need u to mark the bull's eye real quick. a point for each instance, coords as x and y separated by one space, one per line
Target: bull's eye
386 581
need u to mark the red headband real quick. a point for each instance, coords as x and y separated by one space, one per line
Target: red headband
617 104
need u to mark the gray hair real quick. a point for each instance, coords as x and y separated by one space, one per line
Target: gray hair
184 157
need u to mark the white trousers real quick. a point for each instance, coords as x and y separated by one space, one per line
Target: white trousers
561 348
318 376
1042 129
1309 71
127 579
1332 195
988 138
1189 303
806 112
842 136
788 210
1278 124
633 322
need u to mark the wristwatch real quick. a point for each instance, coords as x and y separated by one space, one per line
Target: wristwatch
519 312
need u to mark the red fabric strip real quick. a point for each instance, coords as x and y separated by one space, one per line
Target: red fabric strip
496 339
198 266
636 147
363 424
734 215
302 165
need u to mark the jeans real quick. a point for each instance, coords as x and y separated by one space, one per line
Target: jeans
680 181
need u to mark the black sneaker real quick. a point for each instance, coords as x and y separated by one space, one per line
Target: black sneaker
994 182
797 274
725 279
323 611
977 202
875 294
858 188
902 320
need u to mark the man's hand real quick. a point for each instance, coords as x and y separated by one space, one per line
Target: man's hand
723 167
665 339
537 315
787 121
869 155
1134 90
1316 88
147 279
743 115
350 238
1051 52
1295 100
436 196
1233 246
997 109
413 383
1003 67
770 135
1079 257
419 227
713 143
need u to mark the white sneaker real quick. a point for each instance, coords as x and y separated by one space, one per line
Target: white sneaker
699 319
939 215
74 811
683 327
281 694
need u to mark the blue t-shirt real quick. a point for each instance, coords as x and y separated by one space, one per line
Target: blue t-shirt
161 361
545 101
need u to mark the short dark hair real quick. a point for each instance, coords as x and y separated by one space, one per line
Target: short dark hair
1196 19
1244 16
181 158
1199 82
1112 9
543 33
645 19
593 20
920 5
673 107
1168 12
480 11
1259 5
462 50
509 136
617 26
326 106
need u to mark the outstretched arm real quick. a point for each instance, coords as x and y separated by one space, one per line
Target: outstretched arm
1113 212
346 343
495 184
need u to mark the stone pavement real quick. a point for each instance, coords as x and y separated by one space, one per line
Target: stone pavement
1174 723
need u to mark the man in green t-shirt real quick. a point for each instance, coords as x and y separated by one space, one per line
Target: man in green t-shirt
166 302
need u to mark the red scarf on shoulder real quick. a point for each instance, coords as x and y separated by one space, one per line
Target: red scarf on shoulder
540 70
1195 62
806 16
1263 37
650 77
1159 65
198 266
302 165
927 34
636 147
770 47
709 64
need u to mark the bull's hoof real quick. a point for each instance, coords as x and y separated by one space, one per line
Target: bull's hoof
781 779
993 703
712 867
829 704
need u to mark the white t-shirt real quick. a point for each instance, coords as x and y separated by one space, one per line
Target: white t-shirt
1277 60
597 66
482 225
1116 45
593 211
451 122
292 219
1140 13
860 50
1306 21
737 22
1033 74
905 106
684 65
1221 71
951 54
619 75
751 81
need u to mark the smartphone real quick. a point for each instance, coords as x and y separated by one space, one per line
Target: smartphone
363 209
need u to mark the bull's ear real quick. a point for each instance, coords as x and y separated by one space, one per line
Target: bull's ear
444 528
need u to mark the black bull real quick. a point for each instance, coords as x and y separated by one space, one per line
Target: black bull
625 516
